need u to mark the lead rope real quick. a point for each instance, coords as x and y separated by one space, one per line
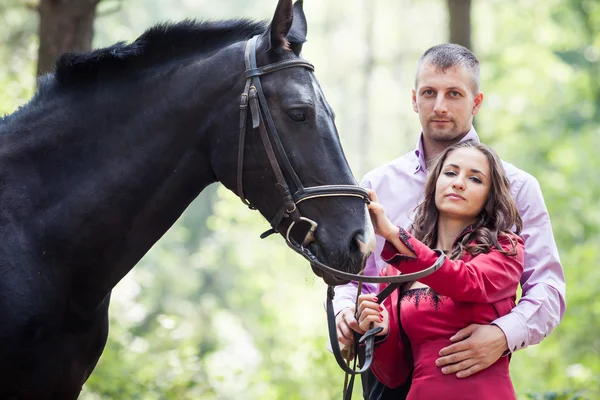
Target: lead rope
381 296
352 354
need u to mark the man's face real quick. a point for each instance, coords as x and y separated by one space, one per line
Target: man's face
445 102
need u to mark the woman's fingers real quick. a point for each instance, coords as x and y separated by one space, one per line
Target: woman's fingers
370 312
372 195
369 317
376 208
367 301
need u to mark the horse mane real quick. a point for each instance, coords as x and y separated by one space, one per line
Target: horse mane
158 45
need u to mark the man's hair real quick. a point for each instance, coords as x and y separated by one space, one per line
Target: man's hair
446 56
497 218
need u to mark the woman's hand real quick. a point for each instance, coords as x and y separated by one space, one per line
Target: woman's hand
382 225
369 311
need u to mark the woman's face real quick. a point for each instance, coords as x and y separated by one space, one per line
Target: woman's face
463 186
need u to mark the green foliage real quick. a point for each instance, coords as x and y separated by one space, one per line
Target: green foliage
17 54
545 119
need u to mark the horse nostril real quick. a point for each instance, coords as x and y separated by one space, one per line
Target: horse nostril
358 242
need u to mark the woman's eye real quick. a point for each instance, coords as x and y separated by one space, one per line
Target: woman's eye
449 173
476 179
297 115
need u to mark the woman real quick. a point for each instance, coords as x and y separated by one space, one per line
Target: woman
468 213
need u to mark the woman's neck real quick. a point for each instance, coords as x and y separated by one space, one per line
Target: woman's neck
448 231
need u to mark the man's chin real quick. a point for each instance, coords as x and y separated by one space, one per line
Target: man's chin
450 134
445 135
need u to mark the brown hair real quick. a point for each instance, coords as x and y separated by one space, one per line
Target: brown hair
446 56
497 218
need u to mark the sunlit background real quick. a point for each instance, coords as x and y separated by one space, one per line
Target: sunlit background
214 312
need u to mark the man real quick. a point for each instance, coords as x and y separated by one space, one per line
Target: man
447 97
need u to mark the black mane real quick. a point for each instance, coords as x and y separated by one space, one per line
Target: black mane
160 44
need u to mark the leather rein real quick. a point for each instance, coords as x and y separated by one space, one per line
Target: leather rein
253 98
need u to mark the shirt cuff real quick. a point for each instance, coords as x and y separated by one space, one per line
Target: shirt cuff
515 330
342 303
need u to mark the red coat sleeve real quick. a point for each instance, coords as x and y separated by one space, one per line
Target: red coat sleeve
390 360
486 278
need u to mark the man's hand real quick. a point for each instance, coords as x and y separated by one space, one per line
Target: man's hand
476 347
346 323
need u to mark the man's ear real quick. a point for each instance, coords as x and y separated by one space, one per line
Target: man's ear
414 101
477 102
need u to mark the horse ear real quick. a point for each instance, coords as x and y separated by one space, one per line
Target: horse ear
280 26
297 35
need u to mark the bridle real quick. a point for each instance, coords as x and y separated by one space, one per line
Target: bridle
253 97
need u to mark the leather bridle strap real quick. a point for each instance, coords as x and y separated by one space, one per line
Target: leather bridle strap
253 97
370 279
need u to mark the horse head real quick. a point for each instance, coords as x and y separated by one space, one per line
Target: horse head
291 166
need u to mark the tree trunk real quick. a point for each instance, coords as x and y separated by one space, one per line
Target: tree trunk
65 25
459 12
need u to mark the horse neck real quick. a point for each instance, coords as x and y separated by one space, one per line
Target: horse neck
106 178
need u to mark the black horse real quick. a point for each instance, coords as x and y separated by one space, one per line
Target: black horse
116 144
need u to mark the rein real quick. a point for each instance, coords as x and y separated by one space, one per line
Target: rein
369 337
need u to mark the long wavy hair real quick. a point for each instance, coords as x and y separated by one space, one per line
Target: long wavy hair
499 216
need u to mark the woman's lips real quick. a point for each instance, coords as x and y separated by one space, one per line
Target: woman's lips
455 196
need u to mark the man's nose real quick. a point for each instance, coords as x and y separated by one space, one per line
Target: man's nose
440 105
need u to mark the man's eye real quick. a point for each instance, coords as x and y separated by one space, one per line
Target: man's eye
297 115
428 92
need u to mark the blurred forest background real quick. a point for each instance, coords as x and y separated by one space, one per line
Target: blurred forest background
213 312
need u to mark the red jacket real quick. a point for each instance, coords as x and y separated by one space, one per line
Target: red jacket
486 278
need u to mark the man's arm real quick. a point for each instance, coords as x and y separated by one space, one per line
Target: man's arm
540 309
542 304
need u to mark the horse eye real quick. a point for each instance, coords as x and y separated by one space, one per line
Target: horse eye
297 115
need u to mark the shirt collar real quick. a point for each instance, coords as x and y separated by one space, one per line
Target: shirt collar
421 164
